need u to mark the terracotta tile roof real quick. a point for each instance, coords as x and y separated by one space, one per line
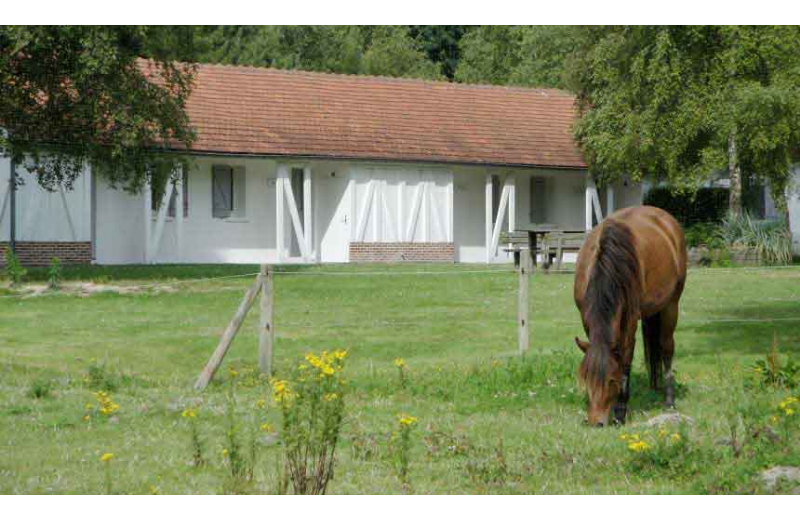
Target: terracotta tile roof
251 110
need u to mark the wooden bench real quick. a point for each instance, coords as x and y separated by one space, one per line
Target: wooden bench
552 246
563 242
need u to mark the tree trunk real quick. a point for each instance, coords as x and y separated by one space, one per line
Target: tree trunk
735 176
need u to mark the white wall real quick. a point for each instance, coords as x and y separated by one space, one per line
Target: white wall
246 239
407 204
337 215
43 216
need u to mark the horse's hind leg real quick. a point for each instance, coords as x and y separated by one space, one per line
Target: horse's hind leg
651 331
668 322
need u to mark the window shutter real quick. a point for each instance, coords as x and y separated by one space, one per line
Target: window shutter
222 191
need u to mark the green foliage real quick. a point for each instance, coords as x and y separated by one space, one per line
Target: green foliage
772 372
54 274
770 238
101 107
312 409
40 388
13 269
440 43
692 206
527 55
376 50
665 101
99 377
703 234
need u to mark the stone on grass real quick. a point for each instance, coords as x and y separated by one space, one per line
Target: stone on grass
772 476
669 419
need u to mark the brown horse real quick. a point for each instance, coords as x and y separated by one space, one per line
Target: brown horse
631 267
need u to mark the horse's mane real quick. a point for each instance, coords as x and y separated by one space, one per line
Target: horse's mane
614 286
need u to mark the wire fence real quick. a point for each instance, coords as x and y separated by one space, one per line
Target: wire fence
445 271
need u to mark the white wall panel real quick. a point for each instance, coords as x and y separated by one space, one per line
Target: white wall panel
408 199
44 216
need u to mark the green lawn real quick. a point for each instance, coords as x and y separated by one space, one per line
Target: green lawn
488 422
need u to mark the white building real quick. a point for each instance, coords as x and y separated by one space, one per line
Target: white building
306 167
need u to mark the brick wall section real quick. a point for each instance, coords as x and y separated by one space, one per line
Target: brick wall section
37 254
402 252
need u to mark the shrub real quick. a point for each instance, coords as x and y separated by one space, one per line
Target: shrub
312 409
14 270
771 371
704 205
661 450
770 238
99 378
704 234
190 414
54 274
40 389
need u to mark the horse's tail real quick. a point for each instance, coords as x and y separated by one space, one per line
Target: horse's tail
651 330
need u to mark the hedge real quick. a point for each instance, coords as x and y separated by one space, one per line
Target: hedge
704 205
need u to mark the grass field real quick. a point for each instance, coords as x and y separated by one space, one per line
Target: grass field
488 421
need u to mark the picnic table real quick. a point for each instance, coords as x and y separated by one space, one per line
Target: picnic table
550 241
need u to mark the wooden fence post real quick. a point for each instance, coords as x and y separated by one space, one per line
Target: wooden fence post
227 337
522 304
266 334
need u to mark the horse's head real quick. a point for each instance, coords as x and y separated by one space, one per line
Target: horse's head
601 374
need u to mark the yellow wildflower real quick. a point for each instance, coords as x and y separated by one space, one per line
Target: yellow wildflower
774 419
189 413
340 354
330 397
675 437
89 406
106 457
266 427
406 420
261 404
327 370
233 373
86 417
399 362
638 446
224 452
789 411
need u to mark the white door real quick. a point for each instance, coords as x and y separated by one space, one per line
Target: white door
333 207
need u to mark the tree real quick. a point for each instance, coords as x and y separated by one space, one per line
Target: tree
440 43
678 103
392 52
344 49
524 55
71 95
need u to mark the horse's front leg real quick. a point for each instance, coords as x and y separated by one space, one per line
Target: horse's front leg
621 407
626 359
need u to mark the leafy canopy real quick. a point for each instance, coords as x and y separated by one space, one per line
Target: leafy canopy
666 101
71 95
377 50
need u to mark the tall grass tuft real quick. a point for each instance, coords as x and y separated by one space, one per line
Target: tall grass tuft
770 238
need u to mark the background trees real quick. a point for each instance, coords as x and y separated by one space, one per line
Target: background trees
674 103
678 103
76 94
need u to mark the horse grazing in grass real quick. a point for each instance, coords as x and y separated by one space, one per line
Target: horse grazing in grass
631 267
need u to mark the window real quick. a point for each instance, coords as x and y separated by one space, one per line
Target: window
228 191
